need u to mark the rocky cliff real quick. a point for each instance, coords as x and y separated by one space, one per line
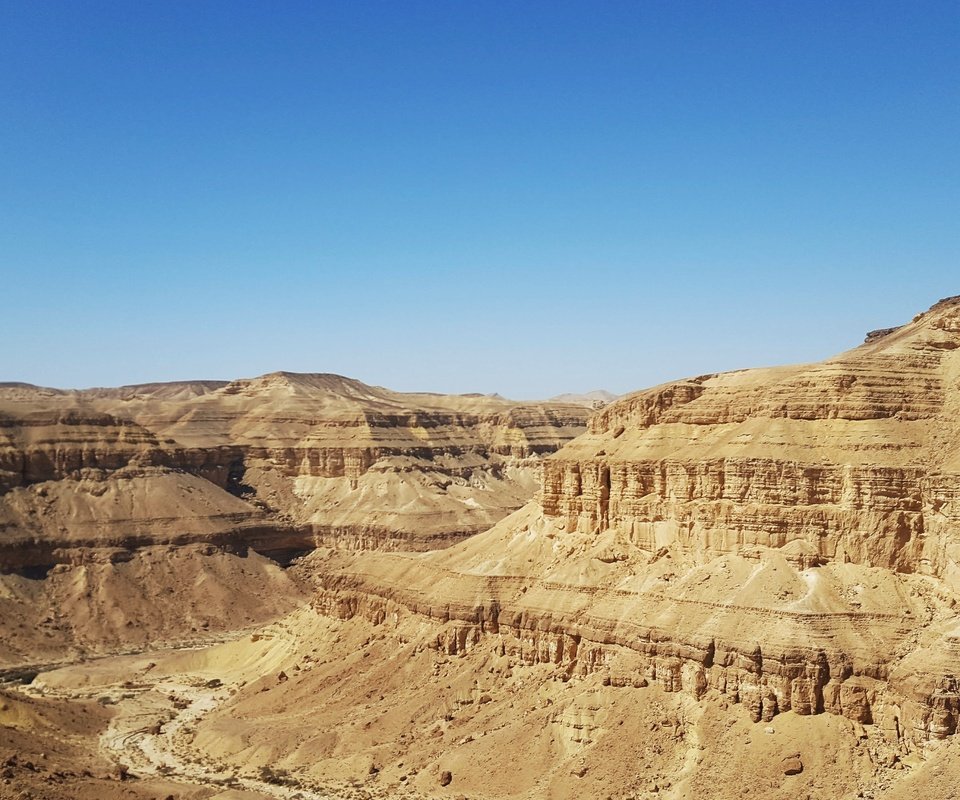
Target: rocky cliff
280 462
853 459
784 538
733 584
99 484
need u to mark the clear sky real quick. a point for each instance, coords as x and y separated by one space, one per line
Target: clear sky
516 197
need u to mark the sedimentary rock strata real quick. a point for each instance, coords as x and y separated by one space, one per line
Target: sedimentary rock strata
786 538
853 459
273 465
733 584
279 463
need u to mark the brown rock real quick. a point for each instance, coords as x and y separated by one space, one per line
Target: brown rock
791 764
446 777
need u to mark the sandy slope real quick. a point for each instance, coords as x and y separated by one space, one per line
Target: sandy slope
160 594
355 710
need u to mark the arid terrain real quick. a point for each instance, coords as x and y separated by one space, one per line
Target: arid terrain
300 586
149 513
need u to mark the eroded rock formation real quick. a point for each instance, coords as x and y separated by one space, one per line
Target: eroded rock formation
279 463
853 459
100 481
787 538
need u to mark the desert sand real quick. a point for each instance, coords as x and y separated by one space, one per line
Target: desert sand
740 584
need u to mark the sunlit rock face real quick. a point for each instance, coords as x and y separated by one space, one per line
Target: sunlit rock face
786 538
854 459
97 485
284 461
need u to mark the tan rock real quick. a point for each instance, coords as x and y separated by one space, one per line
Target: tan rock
791 764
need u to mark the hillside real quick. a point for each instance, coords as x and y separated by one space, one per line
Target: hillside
773 548
741 583
95 483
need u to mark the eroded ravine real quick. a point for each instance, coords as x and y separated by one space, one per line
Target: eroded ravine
151 732
151 736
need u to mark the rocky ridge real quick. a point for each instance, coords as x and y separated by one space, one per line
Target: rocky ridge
786 538
848 460
97 485
279 462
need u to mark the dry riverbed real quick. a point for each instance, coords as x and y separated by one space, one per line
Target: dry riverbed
157 700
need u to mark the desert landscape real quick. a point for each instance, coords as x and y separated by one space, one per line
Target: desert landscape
479 401
301 586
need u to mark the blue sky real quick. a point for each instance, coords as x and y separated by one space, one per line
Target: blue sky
525 198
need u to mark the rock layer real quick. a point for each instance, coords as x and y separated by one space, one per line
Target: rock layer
753 630
280 462
853 459
787 538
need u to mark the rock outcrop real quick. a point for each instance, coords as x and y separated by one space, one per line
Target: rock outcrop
853 459
786 538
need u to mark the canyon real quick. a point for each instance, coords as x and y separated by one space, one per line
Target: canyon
115 504
736 583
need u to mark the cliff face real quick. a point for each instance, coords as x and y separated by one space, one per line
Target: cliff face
853 459
783 538
870 645
44 446
280 463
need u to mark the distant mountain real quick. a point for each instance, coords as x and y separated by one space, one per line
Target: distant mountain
595 399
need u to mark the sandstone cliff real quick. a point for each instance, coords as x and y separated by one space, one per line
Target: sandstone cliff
279 462
276 464
783 538
850 460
